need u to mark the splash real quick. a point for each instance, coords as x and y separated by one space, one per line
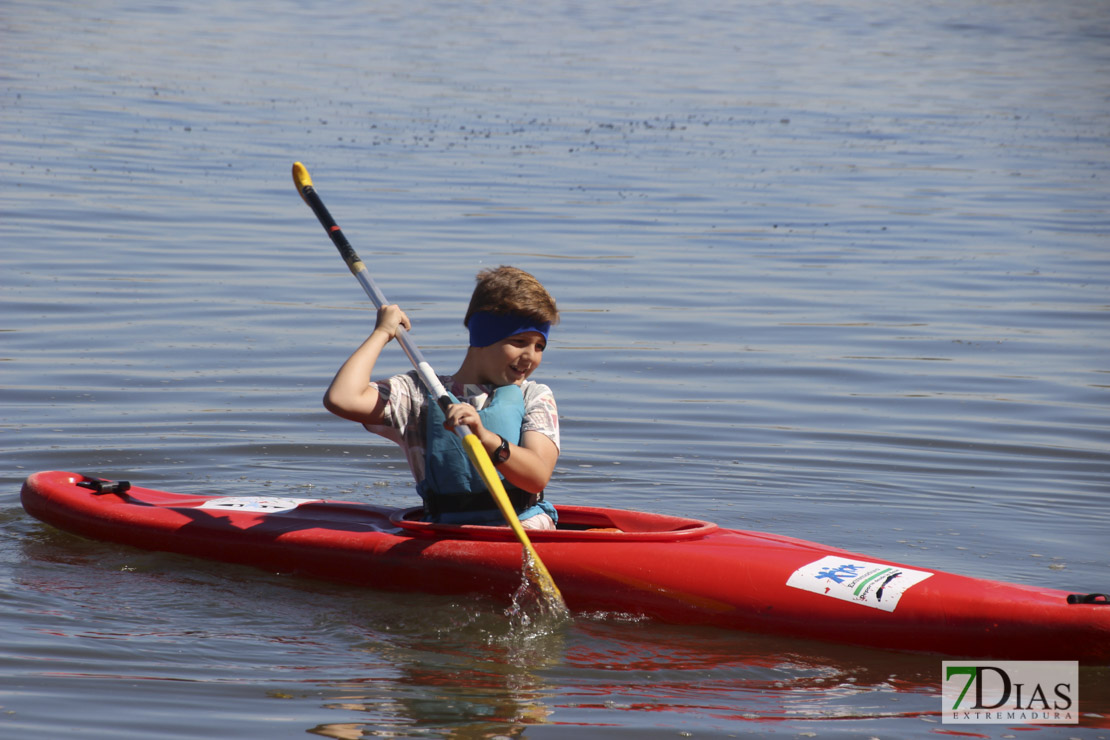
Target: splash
534 609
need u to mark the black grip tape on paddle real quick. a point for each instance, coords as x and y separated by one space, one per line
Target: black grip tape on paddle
346 251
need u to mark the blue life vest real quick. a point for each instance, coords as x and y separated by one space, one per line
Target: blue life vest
452 490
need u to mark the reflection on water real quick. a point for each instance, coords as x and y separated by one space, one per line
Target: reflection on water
610 675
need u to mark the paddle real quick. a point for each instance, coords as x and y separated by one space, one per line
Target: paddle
474 450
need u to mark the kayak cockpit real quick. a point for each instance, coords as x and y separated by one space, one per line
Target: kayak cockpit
576 524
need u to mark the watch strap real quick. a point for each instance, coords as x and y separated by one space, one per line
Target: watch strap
501 454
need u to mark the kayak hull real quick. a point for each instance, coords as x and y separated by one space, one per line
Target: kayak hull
672 569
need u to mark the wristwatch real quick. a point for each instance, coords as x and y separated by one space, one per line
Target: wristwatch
501 454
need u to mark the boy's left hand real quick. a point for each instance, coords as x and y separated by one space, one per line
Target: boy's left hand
464 413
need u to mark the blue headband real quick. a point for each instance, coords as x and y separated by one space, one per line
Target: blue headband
489 328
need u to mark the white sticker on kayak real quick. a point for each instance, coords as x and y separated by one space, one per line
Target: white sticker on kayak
259 504
871 584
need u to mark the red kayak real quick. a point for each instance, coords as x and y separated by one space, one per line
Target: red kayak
676 570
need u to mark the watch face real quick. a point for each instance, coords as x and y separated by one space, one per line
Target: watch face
502 453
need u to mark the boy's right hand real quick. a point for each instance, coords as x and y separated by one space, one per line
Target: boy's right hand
390 317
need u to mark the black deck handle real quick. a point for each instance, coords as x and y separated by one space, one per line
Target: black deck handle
100 486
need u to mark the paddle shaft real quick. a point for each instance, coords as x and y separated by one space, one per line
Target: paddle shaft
358 269
477 454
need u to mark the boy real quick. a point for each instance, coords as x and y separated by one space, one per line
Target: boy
515 419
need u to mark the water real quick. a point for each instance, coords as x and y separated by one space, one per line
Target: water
836 271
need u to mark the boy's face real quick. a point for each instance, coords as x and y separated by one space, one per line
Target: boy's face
513 359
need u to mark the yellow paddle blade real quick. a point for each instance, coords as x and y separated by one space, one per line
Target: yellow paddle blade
480 458
301 178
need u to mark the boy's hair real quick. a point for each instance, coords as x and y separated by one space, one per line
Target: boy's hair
510 290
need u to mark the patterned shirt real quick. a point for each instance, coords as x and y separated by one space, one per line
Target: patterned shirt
406 409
